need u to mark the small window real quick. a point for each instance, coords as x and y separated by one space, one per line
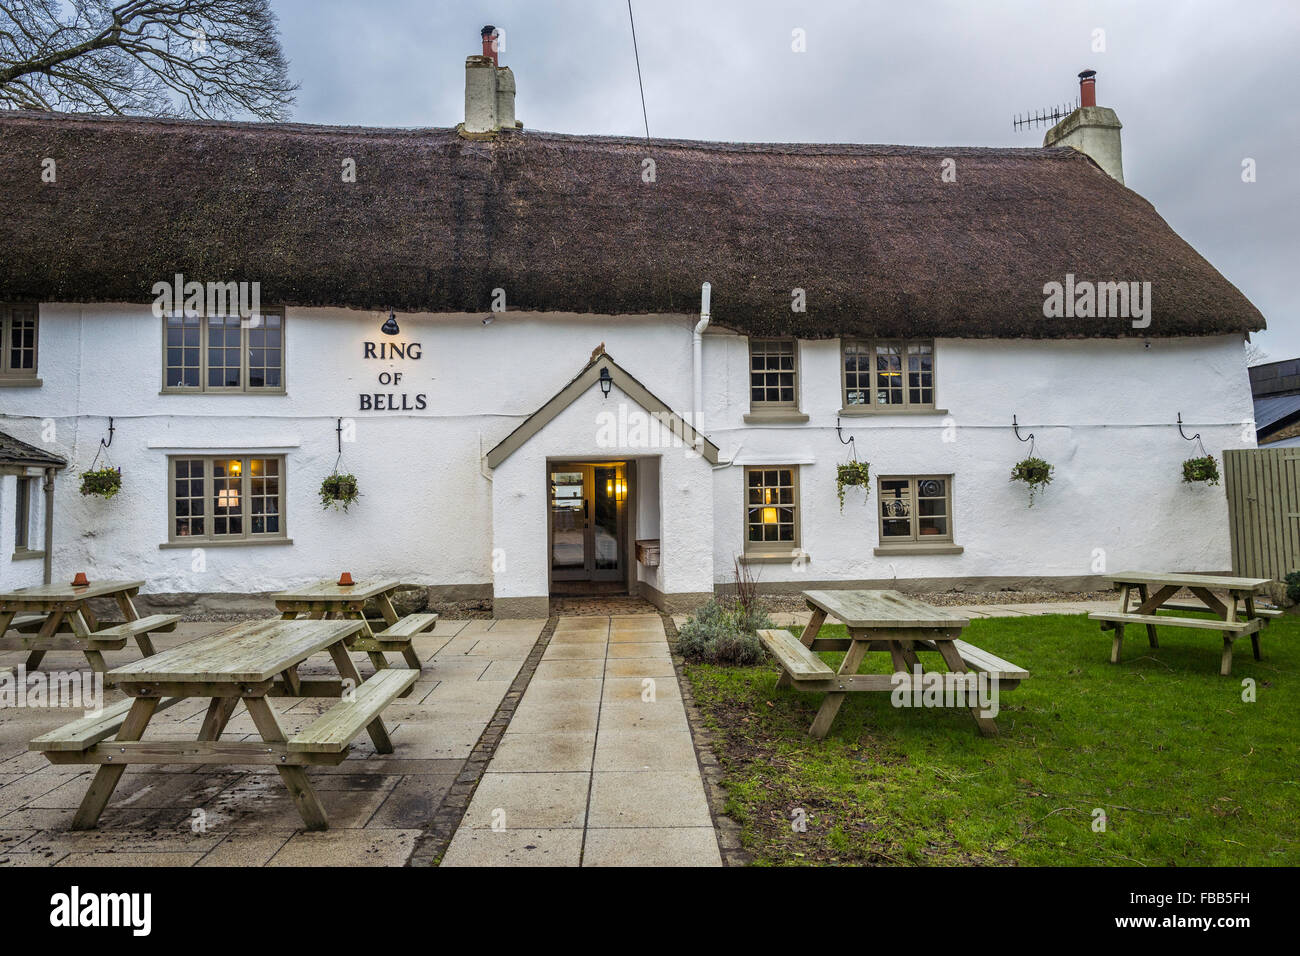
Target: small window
223 353
773 373
18 325
916 510
771 510
23 513
888 375
226 499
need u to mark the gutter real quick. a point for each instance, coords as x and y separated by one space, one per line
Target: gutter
697 357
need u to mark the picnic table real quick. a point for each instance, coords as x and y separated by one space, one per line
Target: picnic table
330 600
878 621
1143 593
58 617
250 662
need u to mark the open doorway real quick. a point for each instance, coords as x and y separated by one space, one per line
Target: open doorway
589 505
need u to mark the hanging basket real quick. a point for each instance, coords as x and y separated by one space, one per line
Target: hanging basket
853 474
338 491
1034 472
1204 469
105 482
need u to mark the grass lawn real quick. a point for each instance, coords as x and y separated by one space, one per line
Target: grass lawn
1185 771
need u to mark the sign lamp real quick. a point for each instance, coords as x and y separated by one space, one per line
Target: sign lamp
390 327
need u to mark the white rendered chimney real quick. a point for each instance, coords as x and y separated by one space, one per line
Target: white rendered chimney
489 89
1091 129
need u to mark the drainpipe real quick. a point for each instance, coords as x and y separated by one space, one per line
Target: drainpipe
697 357
47 561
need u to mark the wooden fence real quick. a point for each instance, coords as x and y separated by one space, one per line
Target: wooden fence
1263 486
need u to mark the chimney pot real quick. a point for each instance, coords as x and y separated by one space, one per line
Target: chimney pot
489 34
1088 88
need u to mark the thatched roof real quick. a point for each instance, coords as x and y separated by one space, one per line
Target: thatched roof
435 222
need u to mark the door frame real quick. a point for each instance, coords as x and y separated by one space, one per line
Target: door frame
626 522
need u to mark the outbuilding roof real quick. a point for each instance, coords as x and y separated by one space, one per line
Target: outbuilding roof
877 239
19 454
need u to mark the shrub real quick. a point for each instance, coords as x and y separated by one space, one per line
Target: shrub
723 632
1034 472
105 482
1293 587
1201 469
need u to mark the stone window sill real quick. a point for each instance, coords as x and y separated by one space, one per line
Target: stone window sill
19 382
783 416
780 557
239 543
919 548
22 554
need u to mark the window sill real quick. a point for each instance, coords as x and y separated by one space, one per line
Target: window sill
22 554
918 548
783 557
867 411
20 383
240 543
789 416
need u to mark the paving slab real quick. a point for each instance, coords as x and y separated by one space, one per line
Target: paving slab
514 848
652 846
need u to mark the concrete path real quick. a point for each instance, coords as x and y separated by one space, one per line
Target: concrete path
597 766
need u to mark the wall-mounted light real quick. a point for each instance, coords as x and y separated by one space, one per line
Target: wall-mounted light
606 383
390 326
616 488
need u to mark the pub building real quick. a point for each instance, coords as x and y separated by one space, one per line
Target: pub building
566 364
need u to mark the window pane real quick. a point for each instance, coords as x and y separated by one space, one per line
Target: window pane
857 374
188 496
920 373
264 500
896 508
264 353
770 515
182 351
889 375
223 351
772 372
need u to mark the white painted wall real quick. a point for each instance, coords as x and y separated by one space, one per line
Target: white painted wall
1102 411
20 574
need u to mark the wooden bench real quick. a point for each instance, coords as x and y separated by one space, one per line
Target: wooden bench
145 625
333 731
1008 675
81 735
27 623
1262 612
795 659
1231 630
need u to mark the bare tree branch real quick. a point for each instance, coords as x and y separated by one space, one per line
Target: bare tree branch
205 58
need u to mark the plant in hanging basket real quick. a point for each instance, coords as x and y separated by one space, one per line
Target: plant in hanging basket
105 482
853 474
1034 472
1204 469
338 491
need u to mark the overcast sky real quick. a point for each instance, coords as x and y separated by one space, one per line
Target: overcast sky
1199 86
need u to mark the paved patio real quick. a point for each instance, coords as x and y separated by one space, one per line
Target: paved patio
188 816
597 767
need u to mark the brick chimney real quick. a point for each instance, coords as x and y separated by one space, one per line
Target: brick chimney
489 90
1091 129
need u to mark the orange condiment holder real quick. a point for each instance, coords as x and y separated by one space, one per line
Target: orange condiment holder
79 580
345 580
